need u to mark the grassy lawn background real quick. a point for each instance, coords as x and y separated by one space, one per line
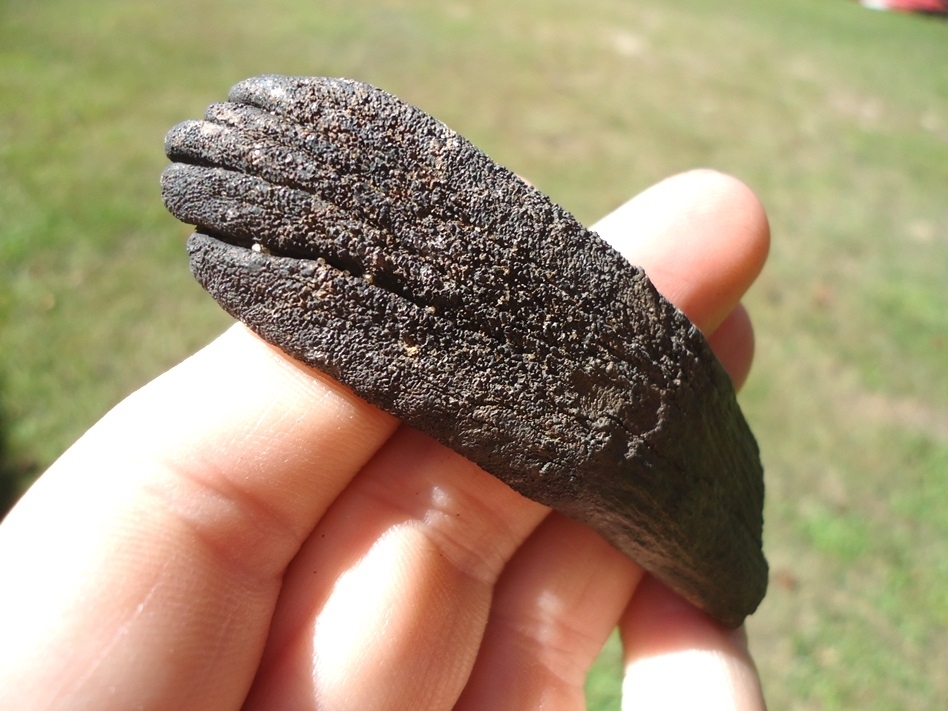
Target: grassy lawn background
836 116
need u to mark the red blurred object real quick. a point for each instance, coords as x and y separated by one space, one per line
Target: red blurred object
929 7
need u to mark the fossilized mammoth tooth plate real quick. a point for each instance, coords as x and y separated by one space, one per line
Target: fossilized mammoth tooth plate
367 239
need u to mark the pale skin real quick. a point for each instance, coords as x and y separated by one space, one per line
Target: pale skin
244 532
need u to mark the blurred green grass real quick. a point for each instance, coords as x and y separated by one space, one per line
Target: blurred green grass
836 116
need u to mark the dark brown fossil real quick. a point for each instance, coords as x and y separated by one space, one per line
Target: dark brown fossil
367 239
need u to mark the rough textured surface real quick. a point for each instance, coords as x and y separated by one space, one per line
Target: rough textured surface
367 239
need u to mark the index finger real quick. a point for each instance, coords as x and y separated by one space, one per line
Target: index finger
169 526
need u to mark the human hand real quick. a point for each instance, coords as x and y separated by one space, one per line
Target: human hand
244 532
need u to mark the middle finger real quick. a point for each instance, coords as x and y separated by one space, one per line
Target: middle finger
390 595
